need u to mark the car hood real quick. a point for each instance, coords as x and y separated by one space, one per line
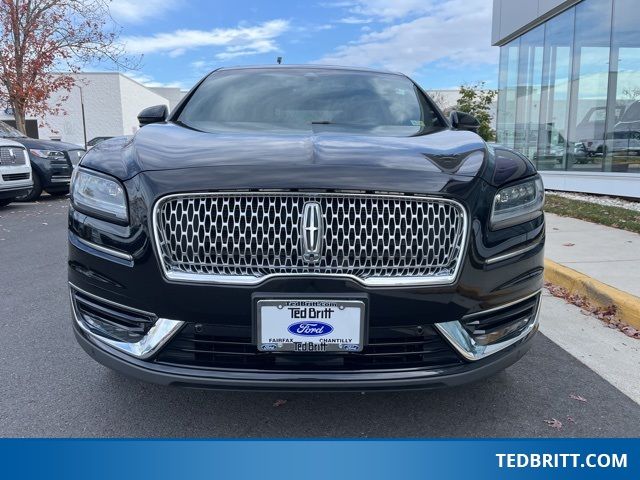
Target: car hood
165 147
47 144
6 142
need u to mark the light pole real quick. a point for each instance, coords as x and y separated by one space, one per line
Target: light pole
84 123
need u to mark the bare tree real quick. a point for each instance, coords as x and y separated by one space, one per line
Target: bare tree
439 99
40 38
632 93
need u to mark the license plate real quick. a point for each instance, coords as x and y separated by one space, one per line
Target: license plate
310 326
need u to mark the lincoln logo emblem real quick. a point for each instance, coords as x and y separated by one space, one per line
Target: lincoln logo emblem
312 232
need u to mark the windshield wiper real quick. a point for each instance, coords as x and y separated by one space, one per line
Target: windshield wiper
329 122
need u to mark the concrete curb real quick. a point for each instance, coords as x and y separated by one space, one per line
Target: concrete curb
598 293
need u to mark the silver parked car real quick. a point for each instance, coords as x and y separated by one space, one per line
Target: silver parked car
15 171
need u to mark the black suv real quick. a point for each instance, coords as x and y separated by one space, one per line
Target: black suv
52 162
304 228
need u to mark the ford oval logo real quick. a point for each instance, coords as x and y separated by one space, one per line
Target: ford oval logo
310 329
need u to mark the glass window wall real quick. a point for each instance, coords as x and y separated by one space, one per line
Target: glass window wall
528 91
589 85
622 141
554 109
508 83
569 90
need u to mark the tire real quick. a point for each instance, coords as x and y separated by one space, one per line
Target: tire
6 201
58 193
34 193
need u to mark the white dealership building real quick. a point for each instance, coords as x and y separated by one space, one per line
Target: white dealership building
111 104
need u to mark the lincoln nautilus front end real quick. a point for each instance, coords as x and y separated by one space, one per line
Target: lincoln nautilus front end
305 228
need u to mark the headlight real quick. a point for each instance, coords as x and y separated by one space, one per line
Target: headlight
46 153
99 195
517 204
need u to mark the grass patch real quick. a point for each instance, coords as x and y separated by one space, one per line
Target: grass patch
604 215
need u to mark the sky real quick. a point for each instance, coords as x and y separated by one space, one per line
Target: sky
440 43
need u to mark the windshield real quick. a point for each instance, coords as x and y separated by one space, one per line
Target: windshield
310 100
7 131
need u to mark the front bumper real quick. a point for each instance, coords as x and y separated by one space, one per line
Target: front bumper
13 192
415 379
15 181
140 359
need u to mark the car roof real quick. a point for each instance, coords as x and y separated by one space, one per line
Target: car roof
308 67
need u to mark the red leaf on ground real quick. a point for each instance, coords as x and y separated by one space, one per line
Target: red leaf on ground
554 423
578 397
568 244
279 403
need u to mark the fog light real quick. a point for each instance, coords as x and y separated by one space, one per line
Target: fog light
482 334
140 334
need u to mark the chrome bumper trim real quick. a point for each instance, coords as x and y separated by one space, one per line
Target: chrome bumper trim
253 281
466 346
107 250
60 180
500 307
158 335
7 186
507 256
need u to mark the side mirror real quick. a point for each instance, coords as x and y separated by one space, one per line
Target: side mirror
464 121
155 114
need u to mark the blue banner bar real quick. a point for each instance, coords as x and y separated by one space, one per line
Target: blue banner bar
318 459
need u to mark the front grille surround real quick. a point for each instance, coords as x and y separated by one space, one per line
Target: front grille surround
426 235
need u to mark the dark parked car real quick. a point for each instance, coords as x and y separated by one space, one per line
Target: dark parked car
52 162
302 228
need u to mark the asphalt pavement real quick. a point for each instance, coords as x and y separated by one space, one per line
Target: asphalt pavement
50 387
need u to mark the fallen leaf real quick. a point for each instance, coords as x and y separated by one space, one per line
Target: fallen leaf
553 423
578 397
568 244
279 403
630 331
608 315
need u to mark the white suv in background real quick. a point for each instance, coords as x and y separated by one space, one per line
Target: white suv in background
15 171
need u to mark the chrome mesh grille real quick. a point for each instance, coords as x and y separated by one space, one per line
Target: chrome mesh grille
10 156
245 237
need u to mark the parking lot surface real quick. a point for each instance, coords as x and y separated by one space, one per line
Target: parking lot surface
50 387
